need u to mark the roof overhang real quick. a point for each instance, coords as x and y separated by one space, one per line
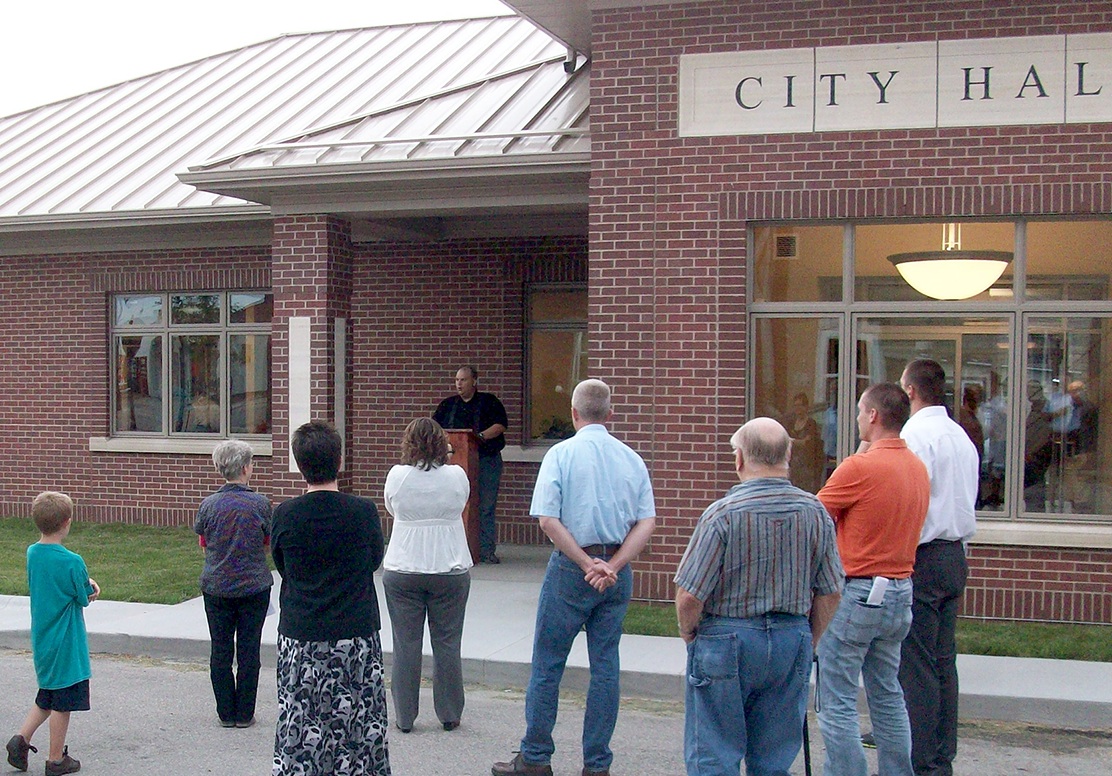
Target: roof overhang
540 183
243 225
569 21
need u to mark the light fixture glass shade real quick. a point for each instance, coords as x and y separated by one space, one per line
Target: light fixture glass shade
951 274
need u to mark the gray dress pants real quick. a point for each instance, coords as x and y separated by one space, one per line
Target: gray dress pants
442 598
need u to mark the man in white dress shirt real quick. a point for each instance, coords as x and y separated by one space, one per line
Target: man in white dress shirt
928 659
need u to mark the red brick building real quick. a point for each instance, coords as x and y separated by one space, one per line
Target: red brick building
697 202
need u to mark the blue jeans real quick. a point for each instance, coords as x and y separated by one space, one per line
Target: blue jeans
567 604
490 477
864 641
746 694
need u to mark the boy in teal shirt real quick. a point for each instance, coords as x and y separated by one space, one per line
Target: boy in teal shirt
60 589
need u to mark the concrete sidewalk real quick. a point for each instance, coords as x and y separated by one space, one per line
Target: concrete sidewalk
497 648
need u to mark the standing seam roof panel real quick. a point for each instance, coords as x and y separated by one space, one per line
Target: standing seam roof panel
119 148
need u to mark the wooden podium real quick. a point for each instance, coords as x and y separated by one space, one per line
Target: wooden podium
465 445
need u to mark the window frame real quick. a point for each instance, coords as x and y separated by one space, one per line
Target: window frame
531 326
1015 525
223 330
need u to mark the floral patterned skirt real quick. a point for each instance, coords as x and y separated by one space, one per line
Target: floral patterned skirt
331 708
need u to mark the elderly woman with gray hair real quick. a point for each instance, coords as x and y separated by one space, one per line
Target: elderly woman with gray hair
234 529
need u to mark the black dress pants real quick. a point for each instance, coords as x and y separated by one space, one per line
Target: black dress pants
236 630
928 657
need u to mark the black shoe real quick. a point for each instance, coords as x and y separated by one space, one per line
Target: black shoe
246 723
66 765
17 752
404 729
451 725
227 723
868 741
492 558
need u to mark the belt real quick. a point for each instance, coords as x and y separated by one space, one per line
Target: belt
605 550
870 579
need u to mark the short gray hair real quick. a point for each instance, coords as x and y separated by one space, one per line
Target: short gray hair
762 441
591 399
231 458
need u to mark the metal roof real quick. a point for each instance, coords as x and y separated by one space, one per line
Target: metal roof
534 109
496 85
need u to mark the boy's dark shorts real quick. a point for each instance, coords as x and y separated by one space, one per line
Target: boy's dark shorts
72 698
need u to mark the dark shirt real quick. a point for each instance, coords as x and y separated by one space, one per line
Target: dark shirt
327 546
478 414
234 526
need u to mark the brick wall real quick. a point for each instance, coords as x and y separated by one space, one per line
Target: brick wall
56 360
422 310
668 219
1036 583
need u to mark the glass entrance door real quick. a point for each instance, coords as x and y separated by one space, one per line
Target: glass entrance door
975 355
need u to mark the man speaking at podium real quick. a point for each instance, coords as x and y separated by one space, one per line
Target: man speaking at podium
484 414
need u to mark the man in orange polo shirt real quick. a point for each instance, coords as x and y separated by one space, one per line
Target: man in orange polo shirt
878 499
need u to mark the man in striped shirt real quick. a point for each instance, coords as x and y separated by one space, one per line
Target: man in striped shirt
755 589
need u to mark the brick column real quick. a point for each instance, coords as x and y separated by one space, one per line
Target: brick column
312 282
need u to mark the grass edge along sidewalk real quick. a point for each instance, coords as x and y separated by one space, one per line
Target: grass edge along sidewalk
152 564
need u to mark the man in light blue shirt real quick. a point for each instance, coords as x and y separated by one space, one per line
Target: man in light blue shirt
594 500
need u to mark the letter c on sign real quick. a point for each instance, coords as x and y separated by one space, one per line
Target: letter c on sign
740 86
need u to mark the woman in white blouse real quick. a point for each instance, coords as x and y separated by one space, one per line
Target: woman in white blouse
426 572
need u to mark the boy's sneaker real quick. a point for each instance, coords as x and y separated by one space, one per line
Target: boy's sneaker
66 765
17 752
868 741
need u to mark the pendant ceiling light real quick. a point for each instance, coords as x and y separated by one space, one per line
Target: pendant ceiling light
951 273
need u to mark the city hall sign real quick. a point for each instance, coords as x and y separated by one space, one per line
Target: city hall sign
1051 79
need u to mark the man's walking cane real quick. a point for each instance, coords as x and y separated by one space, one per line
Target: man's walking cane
806 731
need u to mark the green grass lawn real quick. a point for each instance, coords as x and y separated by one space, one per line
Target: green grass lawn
129 562
162 565
975 637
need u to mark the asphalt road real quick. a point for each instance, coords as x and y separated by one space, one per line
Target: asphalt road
154 718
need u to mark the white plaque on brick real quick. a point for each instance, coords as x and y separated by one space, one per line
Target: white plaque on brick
875 87
1089 77
746 93
967 83
997 81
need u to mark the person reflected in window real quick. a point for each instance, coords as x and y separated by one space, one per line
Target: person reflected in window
426 572
807 453
1037 452
1081 449
969 420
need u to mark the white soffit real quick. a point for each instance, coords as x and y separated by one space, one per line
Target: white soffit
570 20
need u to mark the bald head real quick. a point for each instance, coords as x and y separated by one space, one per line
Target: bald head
763 444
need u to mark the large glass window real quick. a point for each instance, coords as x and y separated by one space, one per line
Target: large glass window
1069 260
1066 438
1026 358
557 355
218 372
974 352
797 263
796 382
878 280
